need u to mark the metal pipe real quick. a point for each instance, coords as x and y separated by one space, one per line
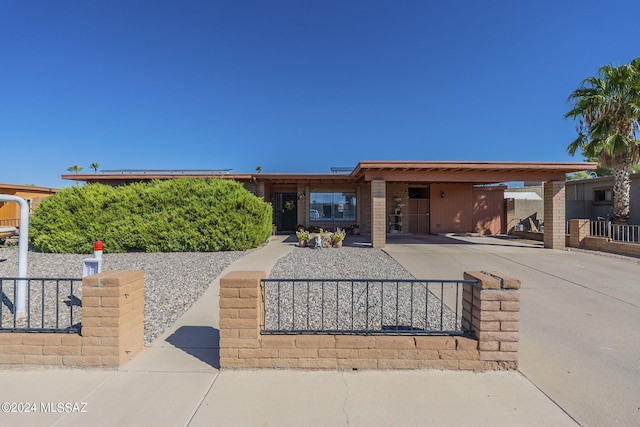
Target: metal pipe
23 250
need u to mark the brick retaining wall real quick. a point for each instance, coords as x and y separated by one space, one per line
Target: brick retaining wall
491 310
112 328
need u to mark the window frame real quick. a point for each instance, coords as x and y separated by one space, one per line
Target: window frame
605 191
320 207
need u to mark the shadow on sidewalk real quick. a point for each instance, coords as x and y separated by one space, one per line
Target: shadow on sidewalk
201 342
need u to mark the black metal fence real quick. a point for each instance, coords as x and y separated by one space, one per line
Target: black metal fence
51 305
348 306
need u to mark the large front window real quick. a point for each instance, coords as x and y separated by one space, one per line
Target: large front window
332 207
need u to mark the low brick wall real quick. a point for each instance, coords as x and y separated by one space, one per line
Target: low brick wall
604 244
579 230
491 308
112 328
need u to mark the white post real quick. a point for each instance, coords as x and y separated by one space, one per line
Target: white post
23 248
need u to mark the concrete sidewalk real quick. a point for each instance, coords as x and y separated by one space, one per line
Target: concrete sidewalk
175 382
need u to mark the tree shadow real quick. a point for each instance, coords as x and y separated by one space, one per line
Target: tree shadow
201 342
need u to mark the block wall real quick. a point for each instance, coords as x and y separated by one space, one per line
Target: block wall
112 328
554 215
579 237
378 213
495 345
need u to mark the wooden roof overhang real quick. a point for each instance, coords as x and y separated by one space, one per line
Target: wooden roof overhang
474 172
271 178
27 188
128 178
391 171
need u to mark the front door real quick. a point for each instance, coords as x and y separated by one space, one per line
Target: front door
285 211
419 216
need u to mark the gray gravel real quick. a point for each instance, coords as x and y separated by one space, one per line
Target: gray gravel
328 304
173 282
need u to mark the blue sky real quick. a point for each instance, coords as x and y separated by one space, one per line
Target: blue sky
294 86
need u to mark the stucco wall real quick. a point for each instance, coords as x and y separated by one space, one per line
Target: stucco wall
580 202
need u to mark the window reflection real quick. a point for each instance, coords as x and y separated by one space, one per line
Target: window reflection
334 206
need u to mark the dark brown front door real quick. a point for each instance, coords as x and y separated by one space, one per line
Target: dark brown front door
419 216
285 211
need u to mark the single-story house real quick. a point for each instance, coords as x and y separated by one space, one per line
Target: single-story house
391 196
593 198
10 211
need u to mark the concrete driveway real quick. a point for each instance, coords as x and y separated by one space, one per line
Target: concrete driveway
580 312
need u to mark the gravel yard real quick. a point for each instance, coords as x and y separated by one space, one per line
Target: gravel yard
173 282
327 304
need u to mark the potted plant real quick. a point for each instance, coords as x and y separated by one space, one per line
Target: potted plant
338 237
303 237
355 229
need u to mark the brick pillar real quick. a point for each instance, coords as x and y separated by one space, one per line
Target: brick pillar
112 319
578 230
240 317
554 215
378 213
491 309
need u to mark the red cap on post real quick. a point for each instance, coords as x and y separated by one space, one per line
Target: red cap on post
97 246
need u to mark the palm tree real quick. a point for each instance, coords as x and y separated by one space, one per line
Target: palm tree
607 108
94 166
74 168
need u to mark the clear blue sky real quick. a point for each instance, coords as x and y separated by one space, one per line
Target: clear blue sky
294 86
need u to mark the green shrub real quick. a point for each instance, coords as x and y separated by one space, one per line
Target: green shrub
180 215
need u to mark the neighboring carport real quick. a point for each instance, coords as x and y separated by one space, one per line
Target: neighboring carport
458 177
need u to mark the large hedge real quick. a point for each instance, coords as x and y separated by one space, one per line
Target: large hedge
179 215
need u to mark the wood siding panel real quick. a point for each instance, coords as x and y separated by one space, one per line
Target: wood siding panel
488 210
453 212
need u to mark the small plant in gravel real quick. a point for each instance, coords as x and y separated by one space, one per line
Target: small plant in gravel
339 235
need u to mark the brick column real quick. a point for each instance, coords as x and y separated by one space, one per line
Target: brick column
112 319
240 318
378 213
491 308
554 215
578 230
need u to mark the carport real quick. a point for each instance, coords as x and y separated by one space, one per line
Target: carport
451 189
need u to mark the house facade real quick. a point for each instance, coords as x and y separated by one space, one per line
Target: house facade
593 198
10 212
391 196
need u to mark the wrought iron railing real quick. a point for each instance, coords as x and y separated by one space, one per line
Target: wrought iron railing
50 305
617 232
346 306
